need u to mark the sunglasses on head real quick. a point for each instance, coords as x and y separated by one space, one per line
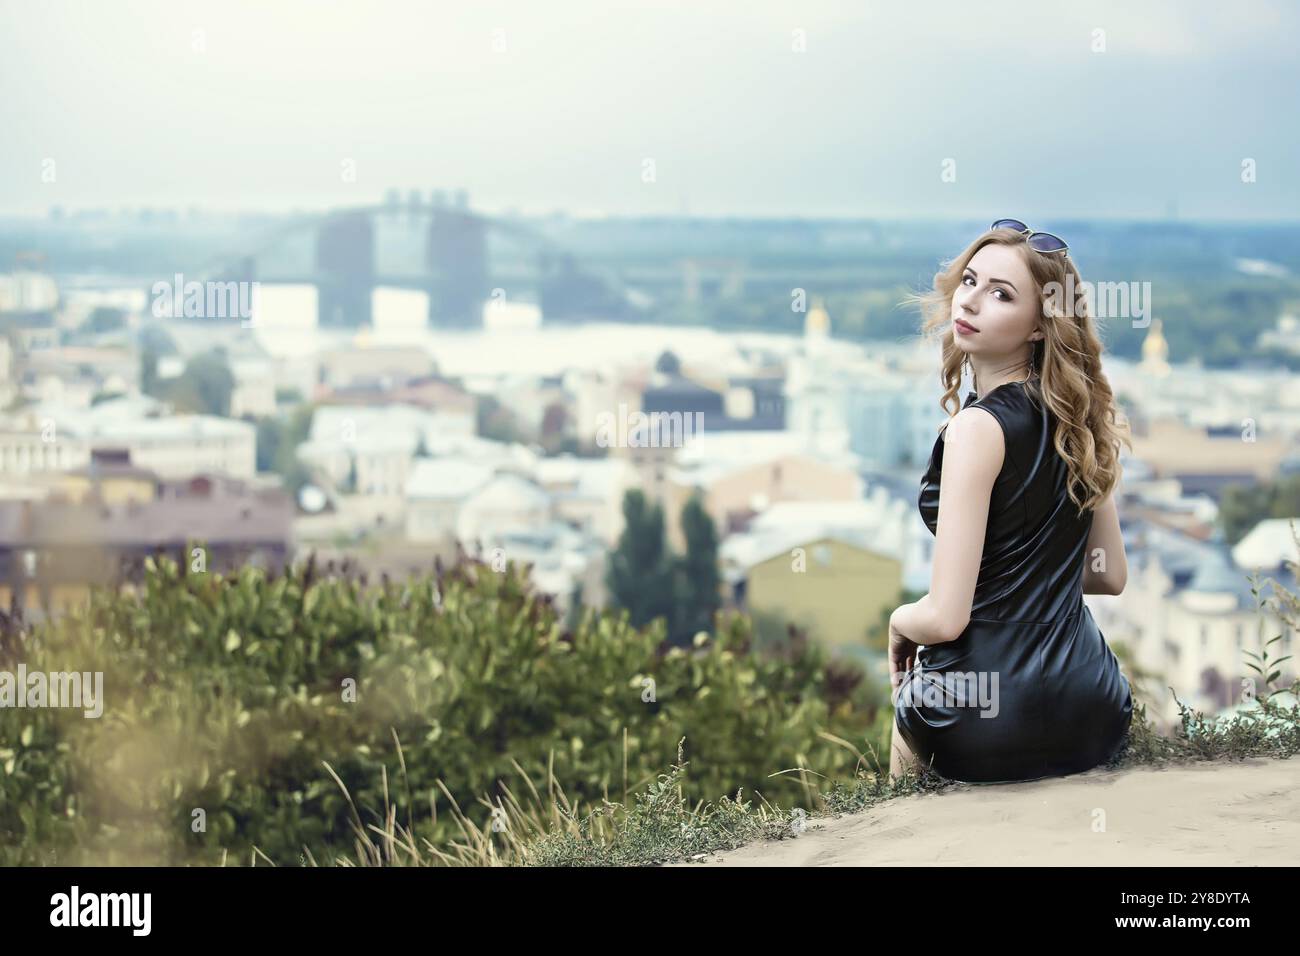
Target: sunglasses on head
1038 241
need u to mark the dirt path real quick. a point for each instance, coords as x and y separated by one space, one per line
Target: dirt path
1244 813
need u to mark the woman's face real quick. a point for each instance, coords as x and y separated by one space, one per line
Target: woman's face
997 308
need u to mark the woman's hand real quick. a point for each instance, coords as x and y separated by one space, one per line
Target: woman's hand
902 652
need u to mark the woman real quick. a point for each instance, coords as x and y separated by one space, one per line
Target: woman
1000 672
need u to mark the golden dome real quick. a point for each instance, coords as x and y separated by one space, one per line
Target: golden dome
1155 351
817 322
1154 345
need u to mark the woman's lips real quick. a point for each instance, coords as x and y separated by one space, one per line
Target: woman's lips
962 327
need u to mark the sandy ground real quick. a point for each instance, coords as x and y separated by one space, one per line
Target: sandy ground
1245 813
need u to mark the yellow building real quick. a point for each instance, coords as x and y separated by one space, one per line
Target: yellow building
110 477
832 587
53 551
113 490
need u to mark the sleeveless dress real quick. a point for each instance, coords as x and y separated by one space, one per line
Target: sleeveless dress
1030 689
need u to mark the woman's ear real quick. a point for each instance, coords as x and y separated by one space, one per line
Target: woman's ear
1036 335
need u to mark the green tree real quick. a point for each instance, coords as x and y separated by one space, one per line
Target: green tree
104 319
204 387
350 482
270 435
697 577
1244 507
212 381
640 575
497 422
573 619
149 371
277 446
555 423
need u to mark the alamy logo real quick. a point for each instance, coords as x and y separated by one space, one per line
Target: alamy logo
204 300
953 689
103 909
1105 300
647 430
53 689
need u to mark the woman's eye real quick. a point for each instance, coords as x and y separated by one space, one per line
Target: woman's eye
971 280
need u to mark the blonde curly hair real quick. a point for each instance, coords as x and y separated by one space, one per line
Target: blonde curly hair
1069 379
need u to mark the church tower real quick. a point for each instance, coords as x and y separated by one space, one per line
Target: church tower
1155 352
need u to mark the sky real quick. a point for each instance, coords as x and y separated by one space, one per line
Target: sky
928 110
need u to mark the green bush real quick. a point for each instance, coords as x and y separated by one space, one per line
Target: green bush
225 694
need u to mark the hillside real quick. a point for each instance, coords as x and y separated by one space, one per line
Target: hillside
1213 813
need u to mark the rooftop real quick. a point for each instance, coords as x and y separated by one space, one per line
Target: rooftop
169 521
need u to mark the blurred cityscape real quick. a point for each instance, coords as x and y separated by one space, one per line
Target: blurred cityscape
388 384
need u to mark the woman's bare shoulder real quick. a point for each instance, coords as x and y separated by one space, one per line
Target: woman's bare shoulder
974 424
974 442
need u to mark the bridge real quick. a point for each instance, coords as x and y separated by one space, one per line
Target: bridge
460 258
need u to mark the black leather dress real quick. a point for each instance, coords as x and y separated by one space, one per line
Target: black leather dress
1030 689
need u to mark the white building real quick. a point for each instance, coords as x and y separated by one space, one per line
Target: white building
1269 546
507 504
255 385
527 397
182 445
363 363
502 456
588 492
52 438
815 407
74 375
560 559
591 395
399 310
8 377
368 449
435 493
24 291
1188 616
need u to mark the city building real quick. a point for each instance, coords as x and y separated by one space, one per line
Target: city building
53 551
835 585
1187 616
436 491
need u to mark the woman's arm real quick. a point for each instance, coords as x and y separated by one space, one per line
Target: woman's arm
973 450
1105 566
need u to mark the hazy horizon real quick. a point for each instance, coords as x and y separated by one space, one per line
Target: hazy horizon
557 107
